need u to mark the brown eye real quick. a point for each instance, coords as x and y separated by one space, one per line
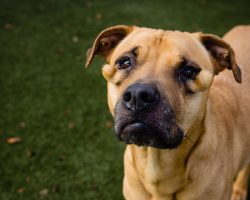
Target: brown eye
124 62
187 72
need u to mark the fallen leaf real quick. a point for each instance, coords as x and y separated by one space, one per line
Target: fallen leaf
60 50
75 39
67 112
14 140
109 124
20 190
88 4
31 153
98 16
71 125
9 26
27 179
22 125
44 192
62 158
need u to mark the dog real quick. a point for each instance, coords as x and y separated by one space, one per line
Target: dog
179 106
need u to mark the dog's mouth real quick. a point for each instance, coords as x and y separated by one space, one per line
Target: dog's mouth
143 134
138 133
153 125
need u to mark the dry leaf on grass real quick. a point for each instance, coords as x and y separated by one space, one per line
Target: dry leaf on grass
60 50
14 140
44 192
31 153
9 26
75 39
27 179
61 158
22 125
98 16
109 124
67 112
20 190
71 125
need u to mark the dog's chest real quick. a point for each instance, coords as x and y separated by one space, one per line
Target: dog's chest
162 178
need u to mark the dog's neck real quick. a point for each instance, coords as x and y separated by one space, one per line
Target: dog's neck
166 165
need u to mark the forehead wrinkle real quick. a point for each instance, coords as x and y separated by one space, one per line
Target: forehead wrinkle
156 50
188 46
126 47
143 37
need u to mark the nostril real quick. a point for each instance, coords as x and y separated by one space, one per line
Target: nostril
148 96
127 97
145 97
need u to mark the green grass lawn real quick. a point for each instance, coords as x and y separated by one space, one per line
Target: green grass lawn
68 150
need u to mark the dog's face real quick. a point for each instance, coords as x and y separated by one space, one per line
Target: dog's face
158 81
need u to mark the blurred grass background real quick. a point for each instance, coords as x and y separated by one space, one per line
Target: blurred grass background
59 109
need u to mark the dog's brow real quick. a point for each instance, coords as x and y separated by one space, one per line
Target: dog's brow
132 51
188 61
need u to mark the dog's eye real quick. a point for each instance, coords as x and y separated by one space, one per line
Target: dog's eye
124 62
188 72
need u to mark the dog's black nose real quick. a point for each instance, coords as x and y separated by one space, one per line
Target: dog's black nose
139 96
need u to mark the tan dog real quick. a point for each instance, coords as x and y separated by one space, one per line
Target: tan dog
188 132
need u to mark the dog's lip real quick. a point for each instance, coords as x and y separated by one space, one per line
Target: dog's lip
124 125
142 133
134 123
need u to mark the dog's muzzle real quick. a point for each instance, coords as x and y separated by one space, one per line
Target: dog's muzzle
144 119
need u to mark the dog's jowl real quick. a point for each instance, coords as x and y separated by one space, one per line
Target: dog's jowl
180 102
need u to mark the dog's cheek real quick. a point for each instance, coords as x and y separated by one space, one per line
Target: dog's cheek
192 111
113 96
108 71
202 82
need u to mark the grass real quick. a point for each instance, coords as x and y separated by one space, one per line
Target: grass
58 108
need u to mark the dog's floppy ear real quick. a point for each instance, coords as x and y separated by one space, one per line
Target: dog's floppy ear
106 41
222 55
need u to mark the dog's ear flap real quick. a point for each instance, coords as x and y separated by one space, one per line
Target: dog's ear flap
106 41
222 55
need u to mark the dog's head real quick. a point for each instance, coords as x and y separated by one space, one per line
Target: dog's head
158 81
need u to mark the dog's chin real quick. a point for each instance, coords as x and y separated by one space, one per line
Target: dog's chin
142 134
